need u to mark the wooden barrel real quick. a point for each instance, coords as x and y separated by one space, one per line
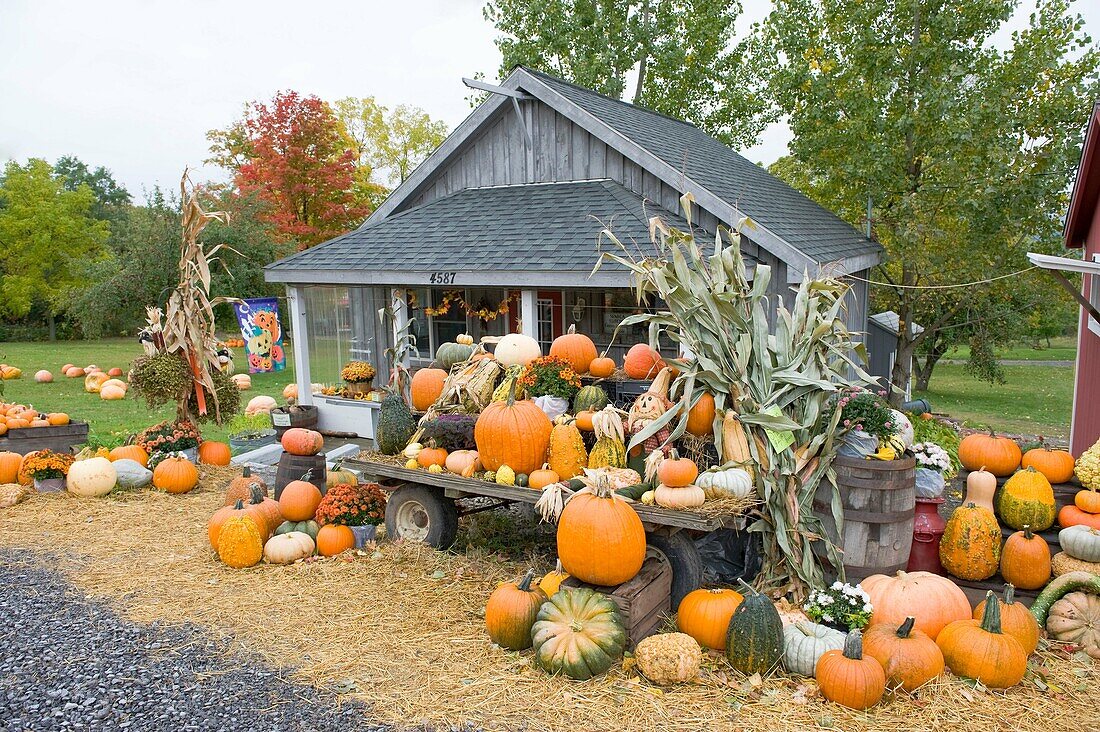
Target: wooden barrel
299 415
879 498
294 467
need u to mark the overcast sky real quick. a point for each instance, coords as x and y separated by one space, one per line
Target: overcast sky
134 86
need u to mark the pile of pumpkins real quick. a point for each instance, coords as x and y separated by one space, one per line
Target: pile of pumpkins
22 416
7 373
251 526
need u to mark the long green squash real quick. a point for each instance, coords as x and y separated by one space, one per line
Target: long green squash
1060 587
754 641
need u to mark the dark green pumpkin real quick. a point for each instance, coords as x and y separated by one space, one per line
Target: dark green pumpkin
576 484
521 480
635 491
754 641
310 527
590 398
579 633
451 353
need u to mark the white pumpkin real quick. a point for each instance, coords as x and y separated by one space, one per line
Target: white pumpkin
43 377
132 474
805 642
412 450
1081 542
289 547
728 483
903 428
92 478
688 496
242 381
516 349
262 404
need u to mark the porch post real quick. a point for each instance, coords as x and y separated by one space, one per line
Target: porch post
297 307
528 313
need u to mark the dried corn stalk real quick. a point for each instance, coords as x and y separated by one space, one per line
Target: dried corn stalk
760 380
187 327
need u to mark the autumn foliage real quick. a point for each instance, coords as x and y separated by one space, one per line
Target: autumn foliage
292 154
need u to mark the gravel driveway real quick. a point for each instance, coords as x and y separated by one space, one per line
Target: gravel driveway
70 663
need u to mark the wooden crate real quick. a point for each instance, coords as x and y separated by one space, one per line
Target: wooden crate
643 601
59 438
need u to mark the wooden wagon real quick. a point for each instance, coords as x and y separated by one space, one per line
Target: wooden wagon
426 507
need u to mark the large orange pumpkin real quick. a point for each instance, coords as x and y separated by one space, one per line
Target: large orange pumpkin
705 615
999 455
642 362
214 453
1016 620
427 385
601 540
299 501
57 419
333 539
300 441
175 475
130 452
934 601
701 416
10 462
601 367
1056 465
516 434
576 348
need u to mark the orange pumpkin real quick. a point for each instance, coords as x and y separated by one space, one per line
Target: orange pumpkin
999 455
601 367
427 385
1056 465
1016 620
675 471
333 539
511 611
705 615
300 441
701 416
57 419
1025 560
175 475
576 348
431 455
1088 500
299 500
642 362
3 426
583 420
516 434
240 508
18 423
39 423
214 453
601 540
130 452
848 677
10 462
544 476
909 657
980 650
1070 515
933 600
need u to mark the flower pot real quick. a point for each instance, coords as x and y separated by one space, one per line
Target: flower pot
928 527
364 534
191 453
49 485
857 444
241 444
360 387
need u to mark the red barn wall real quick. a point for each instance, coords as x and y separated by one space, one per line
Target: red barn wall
1086 393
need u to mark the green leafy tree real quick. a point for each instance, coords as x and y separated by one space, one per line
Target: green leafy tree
111 198
965 149
46 234
683 52
389 143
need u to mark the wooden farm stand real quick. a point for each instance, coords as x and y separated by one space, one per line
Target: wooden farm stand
59 438
426 506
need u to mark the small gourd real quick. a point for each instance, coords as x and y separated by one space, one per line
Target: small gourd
980 487
568 457
505 476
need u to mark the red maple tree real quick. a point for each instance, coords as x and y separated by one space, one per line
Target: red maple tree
295 157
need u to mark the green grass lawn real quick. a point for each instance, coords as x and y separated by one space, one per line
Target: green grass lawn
109 422
1036 400
1061 349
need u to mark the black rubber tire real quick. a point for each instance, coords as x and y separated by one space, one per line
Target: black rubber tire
440 517
687 565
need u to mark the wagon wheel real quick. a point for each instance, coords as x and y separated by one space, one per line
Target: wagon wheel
418 513
679 551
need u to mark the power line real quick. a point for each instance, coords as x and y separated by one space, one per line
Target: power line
941 287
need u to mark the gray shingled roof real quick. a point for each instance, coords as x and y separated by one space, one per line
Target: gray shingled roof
547 227
802 223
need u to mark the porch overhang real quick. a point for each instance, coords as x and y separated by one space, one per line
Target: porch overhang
1057 265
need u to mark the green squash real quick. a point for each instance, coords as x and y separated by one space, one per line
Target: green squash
521 480
1059 587
396 425
1027 499
635 491
576 484
754 641
590 398
310 527
451 353
579 633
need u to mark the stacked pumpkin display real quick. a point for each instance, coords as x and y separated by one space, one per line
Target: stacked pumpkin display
22 416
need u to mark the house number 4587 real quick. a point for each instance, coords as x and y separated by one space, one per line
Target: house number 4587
442 278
